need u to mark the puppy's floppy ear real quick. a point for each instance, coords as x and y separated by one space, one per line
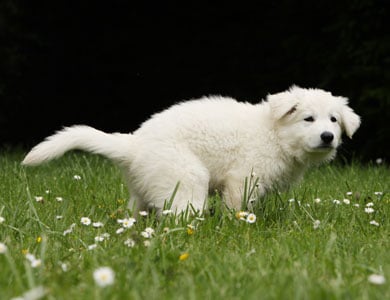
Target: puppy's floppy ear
282 104
349 120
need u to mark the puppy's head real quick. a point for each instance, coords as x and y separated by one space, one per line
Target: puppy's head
310 122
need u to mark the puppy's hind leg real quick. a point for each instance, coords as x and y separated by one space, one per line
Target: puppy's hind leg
192 186
173 166
135 204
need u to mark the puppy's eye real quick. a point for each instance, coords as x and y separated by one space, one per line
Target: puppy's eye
309 119
333 119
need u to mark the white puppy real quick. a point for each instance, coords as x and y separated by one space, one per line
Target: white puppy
214 143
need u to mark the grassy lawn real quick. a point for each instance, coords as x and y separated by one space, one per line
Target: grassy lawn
323 239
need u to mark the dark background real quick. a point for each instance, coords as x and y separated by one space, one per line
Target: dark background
110 64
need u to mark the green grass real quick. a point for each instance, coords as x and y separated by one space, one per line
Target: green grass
280 256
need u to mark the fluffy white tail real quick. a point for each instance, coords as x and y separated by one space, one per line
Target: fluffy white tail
114 146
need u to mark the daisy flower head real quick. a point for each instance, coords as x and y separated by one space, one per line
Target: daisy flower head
120 230
129 243
76 177
33 260
147 233
59 199
251 218
64 267
337 202
85 221
127 222
143 213
241 215
317 200
104 276
316 224
97 224
369 210
347 201
36 263
3 248
375 223
38 198
92 246
377 279
1 219
99 238
70 229
166 212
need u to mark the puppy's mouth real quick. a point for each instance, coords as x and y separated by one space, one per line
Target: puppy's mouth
323 148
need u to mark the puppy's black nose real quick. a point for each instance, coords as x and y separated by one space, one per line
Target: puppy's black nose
327 137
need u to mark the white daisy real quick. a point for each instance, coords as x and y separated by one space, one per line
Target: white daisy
376 279
33 260
347 201
97 224
127 222
38 198
91 247
143 213
337 202
241 215
59 199
36 263
77 177
64 267
2 220
130 243
106 235
70 229
167 212
251 218
316 224
317 200
375 223
99 238
3 248
369 210
85 221
104 276
147 233
120 230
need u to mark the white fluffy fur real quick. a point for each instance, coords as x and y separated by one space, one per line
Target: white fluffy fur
214 143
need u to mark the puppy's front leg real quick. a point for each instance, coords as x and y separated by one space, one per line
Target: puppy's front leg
232 193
